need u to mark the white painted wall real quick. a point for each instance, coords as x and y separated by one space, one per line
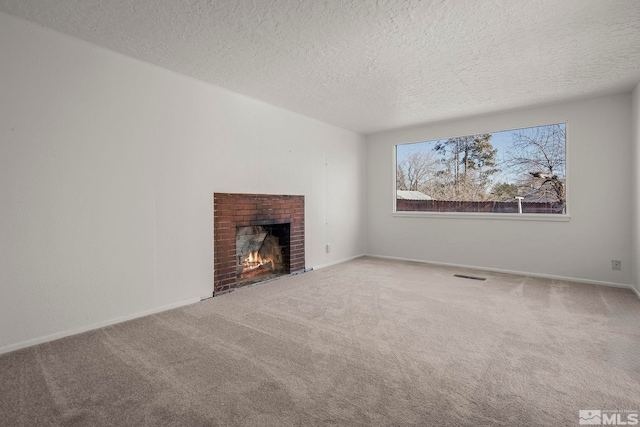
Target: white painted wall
107 172
635 179
599 193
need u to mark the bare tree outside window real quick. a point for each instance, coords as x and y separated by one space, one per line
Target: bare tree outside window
538 155
414 170
521 170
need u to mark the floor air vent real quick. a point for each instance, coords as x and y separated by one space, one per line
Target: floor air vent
469 277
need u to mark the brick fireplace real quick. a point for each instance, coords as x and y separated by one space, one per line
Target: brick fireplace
248 227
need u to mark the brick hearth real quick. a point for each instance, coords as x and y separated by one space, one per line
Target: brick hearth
242 210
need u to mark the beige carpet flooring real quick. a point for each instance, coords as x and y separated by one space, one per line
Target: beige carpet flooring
365 343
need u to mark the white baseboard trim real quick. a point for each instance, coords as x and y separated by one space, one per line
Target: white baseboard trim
340 261
518 273
635 291
58 335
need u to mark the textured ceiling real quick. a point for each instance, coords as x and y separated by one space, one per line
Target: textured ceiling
370 65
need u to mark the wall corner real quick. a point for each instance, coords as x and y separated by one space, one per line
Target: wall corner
635 178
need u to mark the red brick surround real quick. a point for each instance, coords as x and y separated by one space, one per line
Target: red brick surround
242 210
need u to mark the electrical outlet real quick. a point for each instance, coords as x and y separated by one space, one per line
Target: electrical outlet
616 264
328 248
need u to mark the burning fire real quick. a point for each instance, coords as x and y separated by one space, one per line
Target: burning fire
255 260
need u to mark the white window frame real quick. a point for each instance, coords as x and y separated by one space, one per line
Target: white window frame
565 217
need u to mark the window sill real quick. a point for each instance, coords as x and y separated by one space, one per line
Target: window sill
476 215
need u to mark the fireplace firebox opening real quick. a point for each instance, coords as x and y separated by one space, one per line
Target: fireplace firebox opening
262 252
